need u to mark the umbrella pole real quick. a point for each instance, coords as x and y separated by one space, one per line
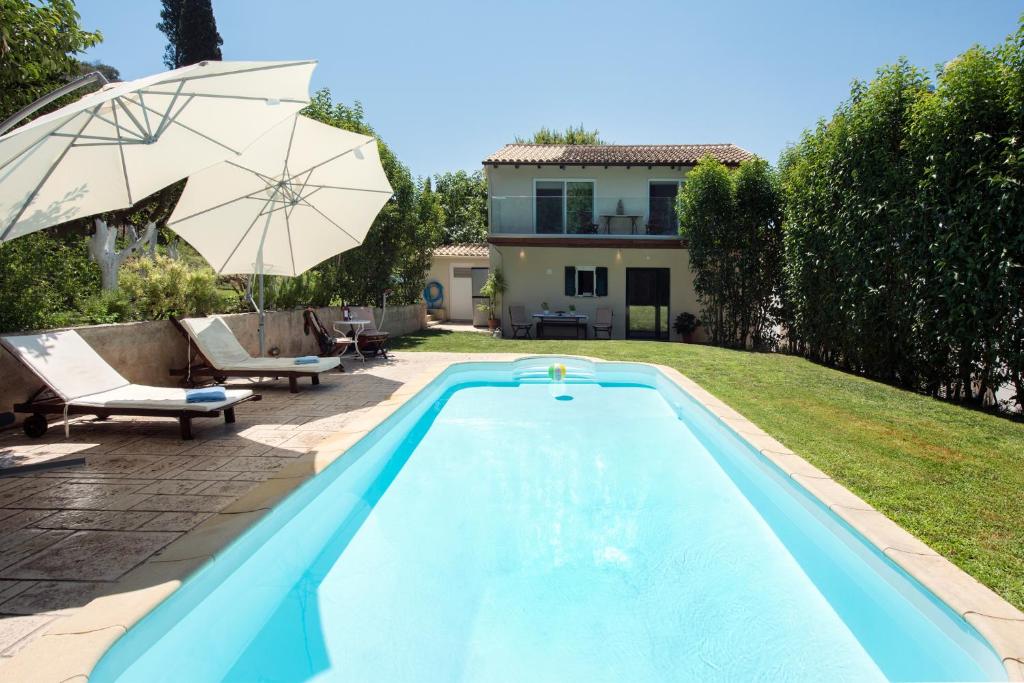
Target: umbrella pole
262 314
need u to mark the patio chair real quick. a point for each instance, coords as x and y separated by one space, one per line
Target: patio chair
77 381
330 345
603 322
519 322
372 341
214 352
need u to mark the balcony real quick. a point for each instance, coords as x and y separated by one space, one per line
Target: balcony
583 215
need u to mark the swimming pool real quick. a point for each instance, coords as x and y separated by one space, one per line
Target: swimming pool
501 526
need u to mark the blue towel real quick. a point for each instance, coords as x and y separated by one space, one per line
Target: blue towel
307 360
205 395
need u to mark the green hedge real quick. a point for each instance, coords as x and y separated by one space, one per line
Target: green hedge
904 228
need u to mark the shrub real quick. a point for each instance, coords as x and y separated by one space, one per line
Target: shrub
43 277
163 287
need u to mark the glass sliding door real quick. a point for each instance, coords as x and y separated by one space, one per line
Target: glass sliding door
549 207
647 302
662 208
564 206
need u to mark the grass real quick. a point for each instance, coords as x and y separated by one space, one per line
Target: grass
951 476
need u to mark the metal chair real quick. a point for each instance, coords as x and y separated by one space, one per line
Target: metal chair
519 322
603 322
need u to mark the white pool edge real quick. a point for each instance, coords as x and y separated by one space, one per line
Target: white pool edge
70 649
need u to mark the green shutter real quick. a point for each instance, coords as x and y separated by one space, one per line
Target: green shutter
570 280
601 288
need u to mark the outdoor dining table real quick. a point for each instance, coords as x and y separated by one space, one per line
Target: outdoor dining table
577 320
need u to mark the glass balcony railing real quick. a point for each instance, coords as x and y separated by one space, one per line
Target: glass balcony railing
583 214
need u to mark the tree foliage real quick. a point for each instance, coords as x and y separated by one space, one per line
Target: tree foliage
732 220
191 31
573 135
396 252
904 229
463 199
38 43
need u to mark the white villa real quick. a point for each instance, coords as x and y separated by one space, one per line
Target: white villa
595 226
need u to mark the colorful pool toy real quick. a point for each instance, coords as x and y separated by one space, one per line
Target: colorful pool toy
557 372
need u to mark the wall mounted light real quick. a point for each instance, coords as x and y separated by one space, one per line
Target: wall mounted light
522 253
618 254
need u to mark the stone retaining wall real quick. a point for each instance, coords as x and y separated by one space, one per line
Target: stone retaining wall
145 351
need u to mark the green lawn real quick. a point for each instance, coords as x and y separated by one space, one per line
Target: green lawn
952 477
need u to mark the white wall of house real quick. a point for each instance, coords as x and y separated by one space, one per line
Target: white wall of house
512 191
536 275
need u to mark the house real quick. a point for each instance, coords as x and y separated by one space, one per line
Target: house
595 226
457 272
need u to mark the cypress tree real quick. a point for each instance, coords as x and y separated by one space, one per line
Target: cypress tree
191 31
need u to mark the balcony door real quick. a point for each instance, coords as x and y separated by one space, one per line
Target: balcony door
662 207
564 207
647 303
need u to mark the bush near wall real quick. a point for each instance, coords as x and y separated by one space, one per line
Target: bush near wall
904 228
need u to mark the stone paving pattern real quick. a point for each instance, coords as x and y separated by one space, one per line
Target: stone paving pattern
67 534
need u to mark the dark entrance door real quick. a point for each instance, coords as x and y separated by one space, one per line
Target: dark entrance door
647 303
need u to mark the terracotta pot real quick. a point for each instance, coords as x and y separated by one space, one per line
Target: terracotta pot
492 324
688 338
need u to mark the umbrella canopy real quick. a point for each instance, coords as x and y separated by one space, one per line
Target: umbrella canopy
301 194
128 140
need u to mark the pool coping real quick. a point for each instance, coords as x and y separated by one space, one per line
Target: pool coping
70 649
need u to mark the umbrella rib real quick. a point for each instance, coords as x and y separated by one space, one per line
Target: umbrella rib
120 102
352 189
163 117
336 156
288 152
145 115
330 221
173 121
124 165
46 177
212 208
244 234
288 230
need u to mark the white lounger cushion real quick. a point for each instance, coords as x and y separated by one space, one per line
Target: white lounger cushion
219 345
136 396
80 376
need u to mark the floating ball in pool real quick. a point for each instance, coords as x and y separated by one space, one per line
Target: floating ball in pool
556 373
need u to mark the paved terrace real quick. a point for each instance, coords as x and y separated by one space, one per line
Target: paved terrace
66 535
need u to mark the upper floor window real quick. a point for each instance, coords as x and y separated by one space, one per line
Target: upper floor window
564 206
662 210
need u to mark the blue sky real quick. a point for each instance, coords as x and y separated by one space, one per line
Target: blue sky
447 83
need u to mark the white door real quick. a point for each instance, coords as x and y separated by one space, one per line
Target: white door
461 294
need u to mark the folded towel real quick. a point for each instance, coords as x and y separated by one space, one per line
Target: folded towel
306 360
205 395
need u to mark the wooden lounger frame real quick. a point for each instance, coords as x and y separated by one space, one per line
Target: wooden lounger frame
200 366
46 402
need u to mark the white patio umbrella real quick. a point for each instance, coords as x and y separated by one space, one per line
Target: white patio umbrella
302 193
118 145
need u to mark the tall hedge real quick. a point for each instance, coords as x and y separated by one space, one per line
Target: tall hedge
904 228
732 222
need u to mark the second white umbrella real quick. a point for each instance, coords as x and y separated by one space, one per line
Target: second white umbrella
302 193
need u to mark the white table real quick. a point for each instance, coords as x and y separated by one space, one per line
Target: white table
355 328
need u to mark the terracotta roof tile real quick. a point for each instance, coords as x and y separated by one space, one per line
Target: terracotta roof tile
616 155
462 250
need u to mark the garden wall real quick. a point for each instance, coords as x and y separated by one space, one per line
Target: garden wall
145 351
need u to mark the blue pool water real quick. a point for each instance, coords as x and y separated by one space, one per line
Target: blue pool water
492 530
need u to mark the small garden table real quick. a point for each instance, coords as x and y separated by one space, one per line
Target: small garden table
577 320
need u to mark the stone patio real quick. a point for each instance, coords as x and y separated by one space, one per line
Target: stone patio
67 534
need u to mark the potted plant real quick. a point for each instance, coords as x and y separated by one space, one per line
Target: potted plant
686 324
494 288
544 307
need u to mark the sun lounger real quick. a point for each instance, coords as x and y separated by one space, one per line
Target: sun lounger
77 381
214 352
